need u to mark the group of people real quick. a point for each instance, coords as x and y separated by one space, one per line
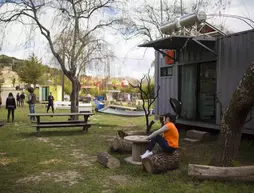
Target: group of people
20 99
11 104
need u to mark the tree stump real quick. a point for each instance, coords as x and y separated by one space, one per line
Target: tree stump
120 145
162 162
108 160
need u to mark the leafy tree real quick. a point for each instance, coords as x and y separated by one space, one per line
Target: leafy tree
32 70
1 78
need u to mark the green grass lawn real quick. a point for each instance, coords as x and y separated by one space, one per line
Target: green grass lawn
64 160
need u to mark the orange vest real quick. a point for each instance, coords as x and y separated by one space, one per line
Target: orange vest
171 135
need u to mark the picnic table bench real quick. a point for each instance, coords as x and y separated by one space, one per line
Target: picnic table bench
56 124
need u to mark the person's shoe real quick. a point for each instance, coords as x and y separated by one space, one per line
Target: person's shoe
146 154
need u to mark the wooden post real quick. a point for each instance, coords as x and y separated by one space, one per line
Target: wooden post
38 123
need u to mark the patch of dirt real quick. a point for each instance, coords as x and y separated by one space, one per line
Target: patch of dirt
119 179
29 179
43 139
82 159
51 161
77 154
56 146
106 191
5 161
82 163
69 177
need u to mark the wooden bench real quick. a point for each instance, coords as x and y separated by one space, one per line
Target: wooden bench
59 124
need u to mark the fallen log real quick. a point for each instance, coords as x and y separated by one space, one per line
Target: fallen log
121 146
204 172
108 160
161 162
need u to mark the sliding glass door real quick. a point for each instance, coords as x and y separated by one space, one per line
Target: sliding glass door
197 91
188 96
207 92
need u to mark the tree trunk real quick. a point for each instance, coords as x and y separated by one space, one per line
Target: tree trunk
120 145
203 172
74 96
162 162
108 160
233 120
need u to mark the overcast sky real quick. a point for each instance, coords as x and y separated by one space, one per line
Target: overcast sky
130 60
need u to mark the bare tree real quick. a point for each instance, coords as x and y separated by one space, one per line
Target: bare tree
147 96
72 20
145 20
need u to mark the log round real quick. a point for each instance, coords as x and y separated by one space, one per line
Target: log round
162 162
121 146
108 160
204 172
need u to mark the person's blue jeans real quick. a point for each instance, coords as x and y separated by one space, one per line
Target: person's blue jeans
162 142
32 110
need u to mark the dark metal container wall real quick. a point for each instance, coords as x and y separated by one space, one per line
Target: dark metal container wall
235 54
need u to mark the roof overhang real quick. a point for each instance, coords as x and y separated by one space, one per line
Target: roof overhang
180 42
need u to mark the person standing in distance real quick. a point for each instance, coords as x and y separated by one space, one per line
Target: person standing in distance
18 100
31 102
50 102
10 106
22 99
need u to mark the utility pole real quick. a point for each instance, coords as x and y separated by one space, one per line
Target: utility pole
63 76
181 2
161 12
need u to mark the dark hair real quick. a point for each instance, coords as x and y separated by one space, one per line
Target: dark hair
10 95
171 117
30 90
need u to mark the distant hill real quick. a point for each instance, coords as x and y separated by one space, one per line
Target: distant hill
6 61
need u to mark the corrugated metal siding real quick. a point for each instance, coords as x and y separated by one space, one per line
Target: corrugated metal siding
195 54
235 54
168 86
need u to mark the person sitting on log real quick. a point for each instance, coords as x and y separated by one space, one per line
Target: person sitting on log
169 139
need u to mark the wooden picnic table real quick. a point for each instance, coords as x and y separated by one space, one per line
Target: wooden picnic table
55 124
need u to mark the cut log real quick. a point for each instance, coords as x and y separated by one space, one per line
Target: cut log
108 160
121 146
198 135
204 172
161 162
